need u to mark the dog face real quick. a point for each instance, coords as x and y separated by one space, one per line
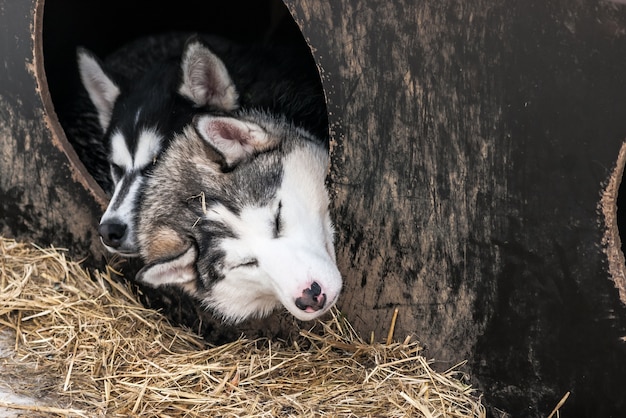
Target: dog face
139 116
236 213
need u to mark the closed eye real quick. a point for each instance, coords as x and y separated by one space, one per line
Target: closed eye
251 262
278 224
117 172
147 169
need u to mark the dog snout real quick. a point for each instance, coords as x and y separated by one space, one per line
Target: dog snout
312 299
112 233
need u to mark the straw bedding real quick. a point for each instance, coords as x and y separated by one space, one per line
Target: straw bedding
81 345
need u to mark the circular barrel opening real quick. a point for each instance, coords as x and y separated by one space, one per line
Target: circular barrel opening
105 27
613 208
621 214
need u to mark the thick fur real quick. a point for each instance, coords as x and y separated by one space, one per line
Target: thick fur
149 90
80 118
236 213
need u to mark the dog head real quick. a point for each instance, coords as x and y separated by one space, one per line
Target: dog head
139 115
236 213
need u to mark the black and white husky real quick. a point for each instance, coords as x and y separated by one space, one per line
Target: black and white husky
151 89
236 213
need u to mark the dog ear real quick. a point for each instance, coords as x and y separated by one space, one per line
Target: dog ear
233 139
101 88
206 80
178 270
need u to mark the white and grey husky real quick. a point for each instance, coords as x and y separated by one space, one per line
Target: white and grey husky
149 90
236 213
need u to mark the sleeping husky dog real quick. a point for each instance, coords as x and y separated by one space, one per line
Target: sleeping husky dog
236 213
151 89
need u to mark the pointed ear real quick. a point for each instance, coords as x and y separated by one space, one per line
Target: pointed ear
179 270
101 89
233 139
206 80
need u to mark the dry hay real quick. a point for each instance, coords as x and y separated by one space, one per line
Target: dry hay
86 347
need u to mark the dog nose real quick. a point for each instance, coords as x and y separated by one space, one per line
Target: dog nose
312 299
112 233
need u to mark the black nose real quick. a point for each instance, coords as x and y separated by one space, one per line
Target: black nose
112 233
312 299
